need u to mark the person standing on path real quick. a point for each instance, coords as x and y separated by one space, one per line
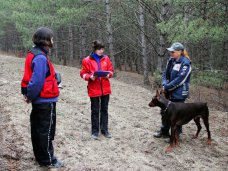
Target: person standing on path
39 86
98 87
175 82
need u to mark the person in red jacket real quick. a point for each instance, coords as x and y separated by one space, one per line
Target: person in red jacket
39 86
99 88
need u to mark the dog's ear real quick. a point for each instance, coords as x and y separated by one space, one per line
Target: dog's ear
158 93
163 92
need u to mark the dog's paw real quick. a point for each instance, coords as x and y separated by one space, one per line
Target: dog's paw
169 149
209 141
194 137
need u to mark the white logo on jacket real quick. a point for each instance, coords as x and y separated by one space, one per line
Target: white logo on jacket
177 67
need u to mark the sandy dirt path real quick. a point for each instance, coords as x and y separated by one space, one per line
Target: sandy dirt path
131 123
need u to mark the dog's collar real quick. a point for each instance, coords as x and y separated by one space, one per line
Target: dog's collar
167 106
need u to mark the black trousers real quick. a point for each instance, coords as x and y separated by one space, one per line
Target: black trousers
99 105
165 122
43 124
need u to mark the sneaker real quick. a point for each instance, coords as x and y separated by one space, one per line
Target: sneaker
160 134
57 164
106 134
94 136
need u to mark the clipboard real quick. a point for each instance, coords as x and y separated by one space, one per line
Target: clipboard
101 73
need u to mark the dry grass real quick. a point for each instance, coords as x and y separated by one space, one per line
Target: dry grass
132 123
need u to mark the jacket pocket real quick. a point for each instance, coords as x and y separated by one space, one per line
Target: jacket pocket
50 89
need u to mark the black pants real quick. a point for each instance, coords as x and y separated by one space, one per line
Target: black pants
99 105
43 124
165 122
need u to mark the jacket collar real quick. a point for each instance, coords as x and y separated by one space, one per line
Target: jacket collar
179 59
43 49
93 54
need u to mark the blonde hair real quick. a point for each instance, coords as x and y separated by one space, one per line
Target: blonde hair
185 53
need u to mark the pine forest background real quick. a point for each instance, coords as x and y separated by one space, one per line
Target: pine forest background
136 33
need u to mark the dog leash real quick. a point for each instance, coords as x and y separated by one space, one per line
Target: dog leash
167 106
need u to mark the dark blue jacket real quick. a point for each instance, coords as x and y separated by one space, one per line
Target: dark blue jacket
176 77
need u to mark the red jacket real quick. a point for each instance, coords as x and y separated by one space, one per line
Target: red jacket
50 88
100 86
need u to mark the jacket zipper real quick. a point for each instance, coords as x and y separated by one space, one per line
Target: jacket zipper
99 77
101 80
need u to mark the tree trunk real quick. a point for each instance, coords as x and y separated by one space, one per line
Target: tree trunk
63 47
186 19
206 53
56 52
143 44
71 46
82 43
225 44
109 30
161 51
163 16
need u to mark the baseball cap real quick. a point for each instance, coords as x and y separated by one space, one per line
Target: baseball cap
176 46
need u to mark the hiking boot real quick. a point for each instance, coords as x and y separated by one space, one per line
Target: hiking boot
94 136
161 134
106 134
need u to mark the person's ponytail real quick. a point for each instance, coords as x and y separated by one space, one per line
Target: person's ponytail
185 53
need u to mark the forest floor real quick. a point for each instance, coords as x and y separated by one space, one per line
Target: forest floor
131 123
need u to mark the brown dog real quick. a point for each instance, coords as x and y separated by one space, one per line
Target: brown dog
181 113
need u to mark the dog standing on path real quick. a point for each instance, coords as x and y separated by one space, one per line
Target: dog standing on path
181 113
